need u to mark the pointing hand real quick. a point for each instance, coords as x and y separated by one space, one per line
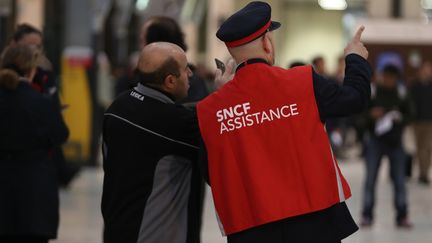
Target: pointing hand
355 46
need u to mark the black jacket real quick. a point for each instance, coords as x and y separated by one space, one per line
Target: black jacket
421 94
150 146
391 99
30 126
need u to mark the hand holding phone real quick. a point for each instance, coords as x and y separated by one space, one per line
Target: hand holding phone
220 65
224 74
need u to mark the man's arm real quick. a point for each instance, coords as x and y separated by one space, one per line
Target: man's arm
190 133
183 131
336 100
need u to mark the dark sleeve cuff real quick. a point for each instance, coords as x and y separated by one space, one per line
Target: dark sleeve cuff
355 58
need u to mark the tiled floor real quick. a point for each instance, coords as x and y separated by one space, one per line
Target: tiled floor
81 219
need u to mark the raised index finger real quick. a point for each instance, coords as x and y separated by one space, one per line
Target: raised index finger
358 34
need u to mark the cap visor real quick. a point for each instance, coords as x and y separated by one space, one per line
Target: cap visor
274 25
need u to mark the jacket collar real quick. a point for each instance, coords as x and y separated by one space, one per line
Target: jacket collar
251 61
154 93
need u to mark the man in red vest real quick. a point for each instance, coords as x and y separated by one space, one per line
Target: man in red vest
273 175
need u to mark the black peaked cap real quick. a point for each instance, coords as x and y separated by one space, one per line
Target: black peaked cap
247 24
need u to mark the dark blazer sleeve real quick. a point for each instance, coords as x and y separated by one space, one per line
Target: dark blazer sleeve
335 100
51 116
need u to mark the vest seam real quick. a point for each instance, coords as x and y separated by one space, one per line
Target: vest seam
341 191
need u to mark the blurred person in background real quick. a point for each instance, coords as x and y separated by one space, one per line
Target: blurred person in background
150 148
319 65
207 75
337 126
124 75
389 112
421 92
46 83
161 28
44 80
31 126
339 74
296 64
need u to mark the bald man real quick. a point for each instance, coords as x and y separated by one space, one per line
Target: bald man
149 148
162 28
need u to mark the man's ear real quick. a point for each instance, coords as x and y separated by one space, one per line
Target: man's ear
170 82
266 44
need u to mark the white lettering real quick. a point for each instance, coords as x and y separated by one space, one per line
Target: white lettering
249 120
219 116
136 95
294 111
243 120
237 116
256 117
223 128
228 113
282 111
230 125
238 113
238 123
274 114
246 107
231 112
264 117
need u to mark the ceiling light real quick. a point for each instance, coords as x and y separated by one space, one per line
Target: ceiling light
426 4
333 4
141 5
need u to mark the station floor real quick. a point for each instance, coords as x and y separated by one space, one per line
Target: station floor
81 221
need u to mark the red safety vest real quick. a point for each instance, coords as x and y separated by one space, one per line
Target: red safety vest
268 152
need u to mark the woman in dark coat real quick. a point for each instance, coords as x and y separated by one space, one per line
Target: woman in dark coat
30 126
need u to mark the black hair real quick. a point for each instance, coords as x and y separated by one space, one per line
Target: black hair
391 69
296 64
165 29
23 30
317 59
157 77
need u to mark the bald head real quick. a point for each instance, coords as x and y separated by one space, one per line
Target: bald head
164 65
154 55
